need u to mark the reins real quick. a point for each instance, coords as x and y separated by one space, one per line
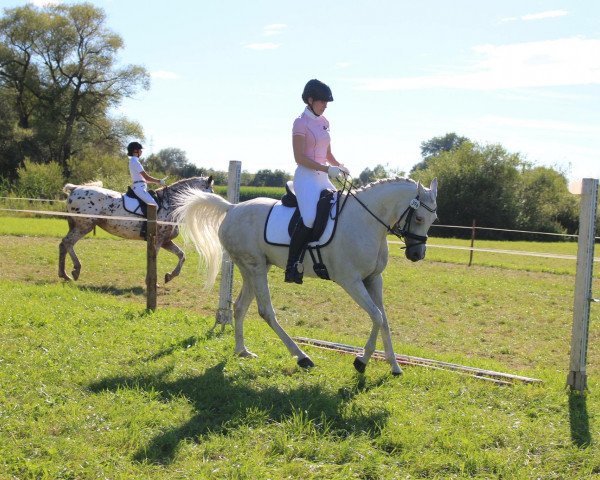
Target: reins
402 233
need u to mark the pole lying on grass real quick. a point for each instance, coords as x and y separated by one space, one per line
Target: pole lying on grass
577 378
499 378
151 274
224 313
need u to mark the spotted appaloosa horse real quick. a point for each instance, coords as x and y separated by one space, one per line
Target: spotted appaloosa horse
92 199
355 257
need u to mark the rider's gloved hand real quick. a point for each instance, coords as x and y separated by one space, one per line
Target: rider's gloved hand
163 181
344 169
335 173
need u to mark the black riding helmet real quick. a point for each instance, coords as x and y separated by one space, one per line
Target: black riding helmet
133 146
316 90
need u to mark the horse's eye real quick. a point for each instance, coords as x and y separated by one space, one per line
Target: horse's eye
419 219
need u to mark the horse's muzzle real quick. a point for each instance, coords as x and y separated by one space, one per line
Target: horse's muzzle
415 252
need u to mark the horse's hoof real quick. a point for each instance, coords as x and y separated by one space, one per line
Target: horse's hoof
360 366
397 374
247 354
65 277
168 277
75 274
306 363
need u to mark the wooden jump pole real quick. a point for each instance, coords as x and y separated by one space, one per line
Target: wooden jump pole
151 275
577 378
224 313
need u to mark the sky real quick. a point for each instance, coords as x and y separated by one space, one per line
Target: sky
227 77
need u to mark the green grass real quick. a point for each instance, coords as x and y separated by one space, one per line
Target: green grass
92 386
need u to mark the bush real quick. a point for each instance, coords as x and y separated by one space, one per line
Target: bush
112 171
40 180
248 193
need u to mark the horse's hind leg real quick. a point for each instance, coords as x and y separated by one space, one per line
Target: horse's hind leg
77 230
171 247
257 277
240 309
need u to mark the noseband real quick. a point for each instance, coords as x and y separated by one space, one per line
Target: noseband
403 233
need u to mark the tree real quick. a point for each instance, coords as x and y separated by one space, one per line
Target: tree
435 146
546 204
268 178
368 175
476 182
58 65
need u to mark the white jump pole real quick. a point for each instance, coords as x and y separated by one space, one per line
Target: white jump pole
577 378
224 314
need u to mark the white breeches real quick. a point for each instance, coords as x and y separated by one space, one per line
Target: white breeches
308 185
141 191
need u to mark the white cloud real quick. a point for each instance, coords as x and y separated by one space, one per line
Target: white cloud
164 74
343 64
262 46
44 3
540 124
543 15
567 61
274 29
537 16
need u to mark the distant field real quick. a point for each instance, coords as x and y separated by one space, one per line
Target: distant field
92 386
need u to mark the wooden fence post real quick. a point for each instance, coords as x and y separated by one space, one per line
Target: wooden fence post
577 378
151 275
224 313
472 243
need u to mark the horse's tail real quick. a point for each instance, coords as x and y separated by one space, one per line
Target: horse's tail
202 213
69 187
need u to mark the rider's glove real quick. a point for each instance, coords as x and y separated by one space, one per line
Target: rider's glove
344 169
335 173
163 181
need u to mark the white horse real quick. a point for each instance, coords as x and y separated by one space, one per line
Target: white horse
355 258
92 199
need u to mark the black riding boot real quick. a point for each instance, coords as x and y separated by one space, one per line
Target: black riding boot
299 239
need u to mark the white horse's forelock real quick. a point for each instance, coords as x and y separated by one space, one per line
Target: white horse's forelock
200 214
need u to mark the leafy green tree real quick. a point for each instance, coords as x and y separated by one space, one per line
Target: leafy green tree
368 175
58 63
269 178
546 204
476 182
435 146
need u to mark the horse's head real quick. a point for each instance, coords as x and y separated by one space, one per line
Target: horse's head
201 183
421 214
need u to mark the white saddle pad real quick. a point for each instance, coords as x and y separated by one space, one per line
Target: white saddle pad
132 205
276 229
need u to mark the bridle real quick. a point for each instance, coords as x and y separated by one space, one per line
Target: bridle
402 232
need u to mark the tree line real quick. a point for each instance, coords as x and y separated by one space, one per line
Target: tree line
59 83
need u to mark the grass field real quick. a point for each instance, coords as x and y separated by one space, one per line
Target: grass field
92 386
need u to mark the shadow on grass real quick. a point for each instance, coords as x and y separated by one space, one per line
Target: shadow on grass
112 290
578 418
222 404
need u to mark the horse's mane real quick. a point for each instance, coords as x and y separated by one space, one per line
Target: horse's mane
385 180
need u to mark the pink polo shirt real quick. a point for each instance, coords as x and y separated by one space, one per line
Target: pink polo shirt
315 131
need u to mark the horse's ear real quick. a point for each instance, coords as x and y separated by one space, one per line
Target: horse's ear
420 190
210 181
433 187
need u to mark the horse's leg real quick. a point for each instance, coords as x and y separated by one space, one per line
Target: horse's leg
171 247
257 276
240 309
78 230
359 293
374 286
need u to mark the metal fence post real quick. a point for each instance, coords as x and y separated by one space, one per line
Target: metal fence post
224 313
577 378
